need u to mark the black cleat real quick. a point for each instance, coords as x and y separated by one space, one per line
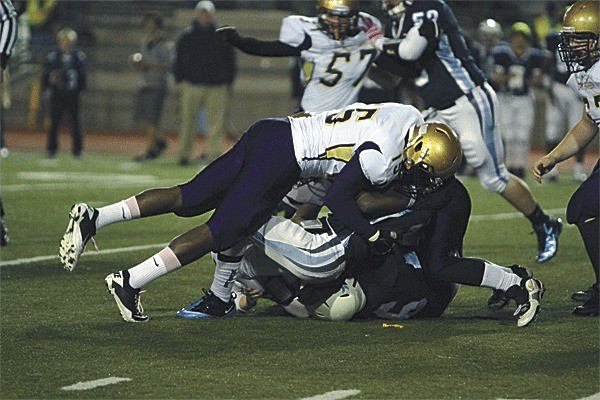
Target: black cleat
583 295
499 299
127 298
591 307
210 306
3 234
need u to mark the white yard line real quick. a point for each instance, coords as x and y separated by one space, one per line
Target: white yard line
497 217
21 261
99 184
94 384
592 397
50 176
335 395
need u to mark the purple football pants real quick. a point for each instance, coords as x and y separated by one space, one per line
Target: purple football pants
244 185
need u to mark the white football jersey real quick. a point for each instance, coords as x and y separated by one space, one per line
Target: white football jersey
332 70
587 85
325 142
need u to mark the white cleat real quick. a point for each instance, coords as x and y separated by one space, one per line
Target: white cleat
81 228
529 310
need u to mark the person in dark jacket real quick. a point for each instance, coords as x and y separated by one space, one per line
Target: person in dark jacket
63 79
205 69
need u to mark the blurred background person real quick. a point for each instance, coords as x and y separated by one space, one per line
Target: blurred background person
489 36
63 79
154 62
205 69
517 69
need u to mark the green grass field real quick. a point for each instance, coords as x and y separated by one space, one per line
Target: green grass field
60 328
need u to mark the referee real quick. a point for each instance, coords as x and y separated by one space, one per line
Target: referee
8 33
8 36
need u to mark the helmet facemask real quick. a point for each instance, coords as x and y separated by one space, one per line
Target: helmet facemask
432 155
339 22
578 50
579 37
394 11
418 179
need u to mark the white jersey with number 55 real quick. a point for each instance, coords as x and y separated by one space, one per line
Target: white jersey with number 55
325 142
332 70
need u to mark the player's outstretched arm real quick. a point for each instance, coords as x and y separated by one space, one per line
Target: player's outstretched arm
256 47
576 139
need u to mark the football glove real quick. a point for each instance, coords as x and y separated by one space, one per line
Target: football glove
429 29
227 34
374 33
382 242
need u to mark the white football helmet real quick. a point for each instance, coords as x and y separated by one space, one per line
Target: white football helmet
343 304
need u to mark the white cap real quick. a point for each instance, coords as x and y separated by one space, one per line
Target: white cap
206 5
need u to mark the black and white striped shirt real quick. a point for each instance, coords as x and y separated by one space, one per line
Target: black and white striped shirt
8 30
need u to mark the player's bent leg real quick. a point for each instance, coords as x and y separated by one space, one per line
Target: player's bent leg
499 299
217 301
547 227
81 228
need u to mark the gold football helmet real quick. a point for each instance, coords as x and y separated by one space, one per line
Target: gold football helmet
432 155
338 18
579 35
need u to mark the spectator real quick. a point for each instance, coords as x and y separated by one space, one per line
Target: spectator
205 69
154 63
63 80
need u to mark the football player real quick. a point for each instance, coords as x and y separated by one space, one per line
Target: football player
361 144
335 52
398 289
579 49
517 69
455 92
562 109
433 226
335 55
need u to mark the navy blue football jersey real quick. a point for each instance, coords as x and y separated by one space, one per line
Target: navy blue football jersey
519 68
449 69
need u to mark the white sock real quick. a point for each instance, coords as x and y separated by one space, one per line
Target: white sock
122 211
223 279
156 266
497 277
